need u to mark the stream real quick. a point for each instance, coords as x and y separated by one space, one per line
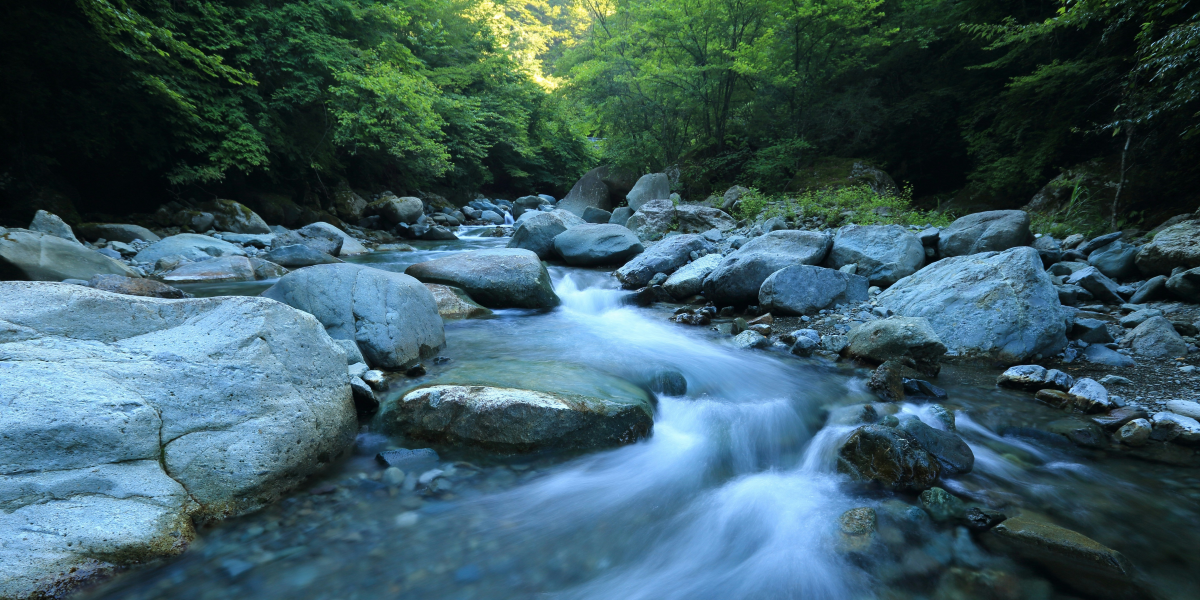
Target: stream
735 495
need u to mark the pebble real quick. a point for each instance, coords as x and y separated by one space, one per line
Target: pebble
407 519
393 476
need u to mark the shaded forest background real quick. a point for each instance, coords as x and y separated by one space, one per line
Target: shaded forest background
110 107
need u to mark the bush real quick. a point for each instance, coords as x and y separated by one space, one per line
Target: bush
832 207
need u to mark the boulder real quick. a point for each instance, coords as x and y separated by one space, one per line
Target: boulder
319 240
889 457
499 278
394 210
663 257
1187 408
620 215
519 420
1096 283
322 230
491 216
884 254
1101 355
688 280
655 186
1185 286
656 218
995 304
221 268
138 286
1175 246
1155 338
526 204
392 317
805 289
51 224
992 231
954 455
453 303
119 232
189 246
234 217
536 231
1070 557
1115 260
1096 243
296 256
1092 331
1136 318
597 244
1172 427
36 256
348 205
1049 249
1032 378
166 411
736 281
731 197
590 190
595 215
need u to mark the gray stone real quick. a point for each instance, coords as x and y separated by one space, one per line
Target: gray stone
1185 286
834 343
896 338
536 231
1092 331
121 232
1177 428
1094 244
1138 317
36 256
663 257
392 317
179 410
234 217
1135 433
394 210
525 204
884 253
349 246
221 268
1187 408
654 186
597 244
51 224
1175 246
929 236
347 204
519 420
657 218
1066 269
1155 338
492 216
1000 305
296 256
991 231
353 354
689 279
620 215
258 240
736 281
1116 260
590 190
1103 356
668 382
889 457
954 455
1091 279
1154 289
453 303
134 286
806 289
592 214
1073 240
498 278
1035 377
750 339
1068 556
189 246
1049 249
1090 396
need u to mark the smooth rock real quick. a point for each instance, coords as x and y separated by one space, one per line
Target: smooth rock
889 457
36 256
954 455
620 215
662 257
1035 377
654 186
1092 331
497 278
896 338
135 286
189 246
1116 260
222 268
592 214
453 303
1155 288
597 244
1138 317
884 254
349 247
590 190
1155 338
297 256
689 279
396 210
668 382
740 275
1090 397
1092 280
536 231
1175 246
656 218
992 231
1094 244
1179 429
806 289
1072 558
1186 408
120 232
51 224
750 339
1103 356
1135 433
234 217
1185 286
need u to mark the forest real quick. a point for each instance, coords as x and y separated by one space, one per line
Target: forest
113 107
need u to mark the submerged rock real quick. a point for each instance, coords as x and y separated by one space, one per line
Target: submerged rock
1071 557
500 278
889 457
947 447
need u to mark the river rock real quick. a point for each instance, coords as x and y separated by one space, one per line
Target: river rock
750 339
297 256
189 246
656 218
1154 288
526 204
884 253
498 278
536 231
1187 408
663 257
119 232
135 286
36 256
947 447
1035 377
453 303
1049 249
597 244
896 338
519 420
1072 558
1176 428
1135 433
806 289
1175 246
1102 355
1185 286
1155 338
889 457
1000 305
178 410
992 231
595 215
321 230
51 224
396 210
319 240
393 318
941 505
688 280
1090 397
348 205
221 268
234 217
1138 317
655 186
737 280
1092 331
620 216
1091 279
590 190
1115 260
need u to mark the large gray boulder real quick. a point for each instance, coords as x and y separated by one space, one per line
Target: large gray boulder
656 218
234 217
590 190
1000 305
1185 285
320 229
737 279
620 215
884 254
896 337
889 457
347 204
806 289
662 257
217 269
392 317
991 231
1092 280
655 186
117 232
526 204
1175 246
119 431
36 256
597 244
689 279
1115 260
500 278
396 210
51 224
1155 338
190 246
519 420
536 231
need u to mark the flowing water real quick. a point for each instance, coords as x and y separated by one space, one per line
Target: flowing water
735 494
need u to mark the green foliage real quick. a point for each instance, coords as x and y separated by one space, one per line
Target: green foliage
857 204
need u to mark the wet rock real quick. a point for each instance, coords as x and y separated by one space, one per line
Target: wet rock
806 289
997 305
664 257
526 204
981 519
36 256
941 505
396 210
1102 288
333 241
1104 356
1155 338
656 218
1175 246
889 457
131 286
1079 432
668 382
884 254
1090 397
365 402
234 217
1074 559
1135 433
1169 426
1185 286
835 344
189 246
1115 260
954 455
804 346
856 530
297 256
519 420
419 460
224 268
500 278
1034 377
919 389
1055 398
992 231
453 303
856 414
897 338
536 231
750 339
888 381
1117 417
655 186
392 317
689 279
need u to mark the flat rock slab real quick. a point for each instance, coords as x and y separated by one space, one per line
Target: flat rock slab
1069 556
36 256
501 278
224 268
189 246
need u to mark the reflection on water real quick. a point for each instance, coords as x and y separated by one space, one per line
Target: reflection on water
734 496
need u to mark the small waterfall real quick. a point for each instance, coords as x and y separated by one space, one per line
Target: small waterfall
508 220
